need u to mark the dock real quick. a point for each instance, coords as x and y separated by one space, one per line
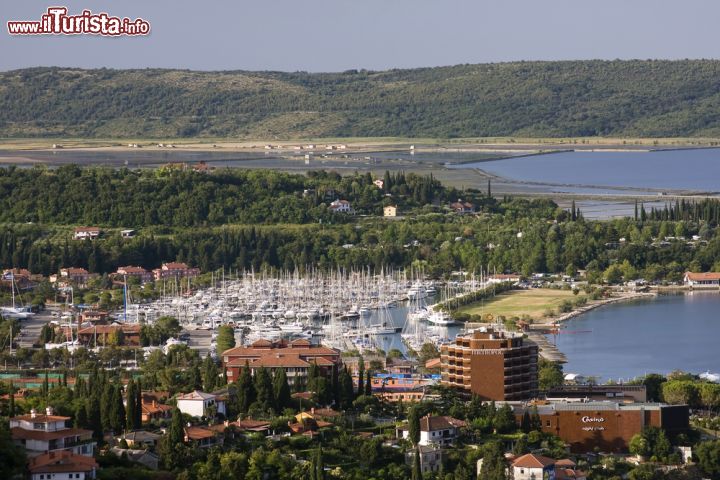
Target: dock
548 351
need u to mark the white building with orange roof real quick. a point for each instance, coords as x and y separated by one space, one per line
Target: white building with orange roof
200 404
39 433
62 465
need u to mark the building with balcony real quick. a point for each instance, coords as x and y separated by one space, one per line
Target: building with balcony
62 465
295 357
175 270
439 431
40 434
201 404
494 365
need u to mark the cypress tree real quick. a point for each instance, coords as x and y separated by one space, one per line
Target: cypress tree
335 385
417 469
210 374
94 417
361 374
81 418
414 425
138 404
264 389
347 393
130 406
245 390
281 390
525 422
11 401
319 464
368 383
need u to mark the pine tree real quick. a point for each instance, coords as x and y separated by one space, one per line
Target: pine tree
281 390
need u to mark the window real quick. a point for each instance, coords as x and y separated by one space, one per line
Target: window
547 423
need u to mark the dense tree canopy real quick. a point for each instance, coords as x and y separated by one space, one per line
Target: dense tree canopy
572 98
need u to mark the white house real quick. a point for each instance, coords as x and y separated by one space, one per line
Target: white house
199 404
47 433
702 280
533 467
341 206
436 431
390 211
81 233
430 458
62 465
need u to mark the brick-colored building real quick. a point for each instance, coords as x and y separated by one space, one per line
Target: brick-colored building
134 272
493 365
175 270
76 275
606 425
296 357
129 334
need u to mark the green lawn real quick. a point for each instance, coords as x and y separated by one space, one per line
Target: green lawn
516 303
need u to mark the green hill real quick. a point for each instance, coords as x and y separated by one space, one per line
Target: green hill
534 99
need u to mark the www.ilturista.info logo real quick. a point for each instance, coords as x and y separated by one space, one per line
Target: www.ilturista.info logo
57 22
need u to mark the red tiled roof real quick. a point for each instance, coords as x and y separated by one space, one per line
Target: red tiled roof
174 266
432 423
132 328
198 433
40 418
706 276
533 461
75 271
130 269
61 462
279 360
250 424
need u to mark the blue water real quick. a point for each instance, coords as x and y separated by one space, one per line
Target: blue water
670 332
697 170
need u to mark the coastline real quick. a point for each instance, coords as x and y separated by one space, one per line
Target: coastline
537 331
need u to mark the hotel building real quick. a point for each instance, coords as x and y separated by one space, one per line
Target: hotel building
606 425
491 364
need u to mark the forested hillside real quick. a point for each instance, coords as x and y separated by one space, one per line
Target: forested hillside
579 98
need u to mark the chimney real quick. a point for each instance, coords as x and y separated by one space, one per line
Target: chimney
49 411
33 413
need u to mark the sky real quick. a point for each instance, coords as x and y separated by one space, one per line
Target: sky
336 35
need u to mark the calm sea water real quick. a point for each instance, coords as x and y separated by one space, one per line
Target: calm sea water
697 169
646 336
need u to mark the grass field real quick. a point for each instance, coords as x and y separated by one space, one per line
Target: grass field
516 303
